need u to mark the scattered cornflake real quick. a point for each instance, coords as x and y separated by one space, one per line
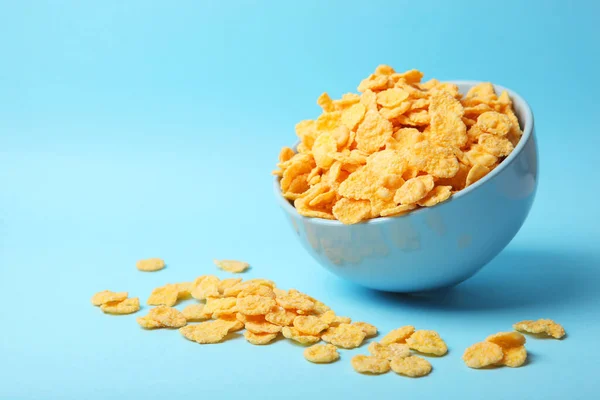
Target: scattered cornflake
507 339
543 326
322 353
417 129
483 354
398 335
294 334
346 336
412 366
389 351
368 329
280 316
233 266
106 296
309 324
255 305
150 264
127 306
165 295
514 357
427 342
167 316
195 313
259 338
205 286
208 332
370 365
148 323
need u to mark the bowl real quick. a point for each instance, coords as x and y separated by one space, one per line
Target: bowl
433 247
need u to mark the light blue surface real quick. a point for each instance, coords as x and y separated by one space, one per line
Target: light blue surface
435 247
139 128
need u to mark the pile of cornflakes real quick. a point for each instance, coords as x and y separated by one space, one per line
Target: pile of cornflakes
399 145
393 352
508 348
225 306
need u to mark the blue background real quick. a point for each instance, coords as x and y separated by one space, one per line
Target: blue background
133 129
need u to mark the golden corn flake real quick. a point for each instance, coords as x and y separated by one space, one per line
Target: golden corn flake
127 306
255 305
373 132
398 335
427 342
325 145
217 306
391 98
280 316
368 329
206 332
494 123
390 351
346 336
205 286
260 338
106 296
373 82
150 264
347 100
412 366
286 154
514 357
438 161
322 353
232 265
447 127
330 318
507 339
477 172
370 365
195 313
495 145
543 326
294 300
353 116
309 324
437 195
294 334
326 103
328 122
414 190
350 211
183 290
165 295
257 290
228 283
148 323
482 354
478 155
167 316
397 210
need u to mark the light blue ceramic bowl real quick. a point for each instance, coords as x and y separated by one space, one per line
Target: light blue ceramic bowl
432 247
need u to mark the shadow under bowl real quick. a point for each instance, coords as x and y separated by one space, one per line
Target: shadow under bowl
433 247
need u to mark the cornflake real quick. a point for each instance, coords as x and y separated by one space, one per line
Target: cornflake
412 366
368 329
428 342
390 351
167 316
482 354
370 365
545 326
350 160
254 305
321 353
106 296
127 306
165 295
232 265
398 335
294 334
259 338
346 336
195 313
150 264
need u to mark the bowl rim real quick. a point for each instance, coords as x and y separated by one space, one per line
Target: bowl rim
527 133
